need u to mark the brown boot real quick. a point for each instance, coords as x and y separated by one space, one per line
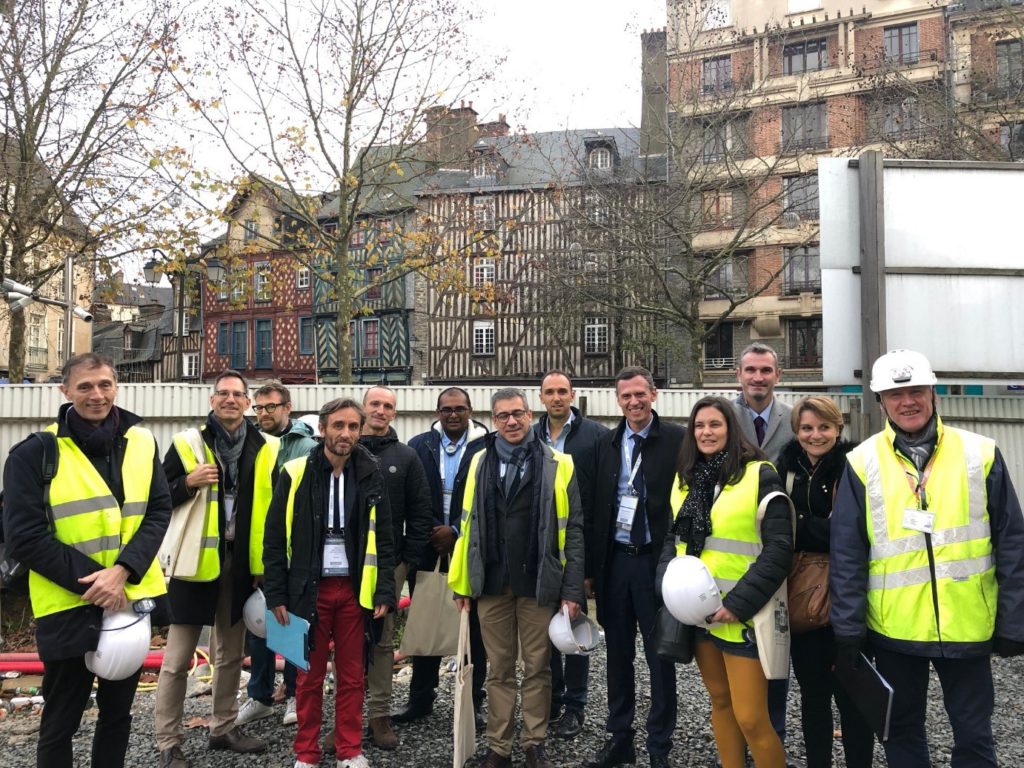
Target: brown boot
494 760
536 757
382 732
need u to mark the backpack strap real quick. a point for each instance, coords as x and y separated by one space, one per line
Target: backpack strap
50 455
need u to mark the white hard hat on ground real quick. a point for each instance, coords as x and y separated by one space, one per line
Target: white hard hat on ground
577 637
254 614
901 368
689 591
124 643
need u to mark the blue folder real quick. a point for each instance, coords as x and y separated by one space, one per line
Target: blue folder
291 641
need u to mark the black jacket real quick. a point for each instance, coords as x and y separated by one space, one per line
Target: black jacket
428 447
660 452
770 568
813 492
295 584
72 633
195 602
581 444
408 494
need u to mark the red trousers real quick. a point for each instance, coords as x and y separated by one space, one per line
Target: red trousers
340 619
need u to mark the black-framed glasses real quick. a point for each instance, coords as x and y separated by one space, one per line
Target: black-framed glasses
504 416
269 407
459 410
226 393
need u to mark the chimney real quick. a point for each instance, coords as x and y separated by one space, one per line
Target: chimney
450 135
654 101
497 127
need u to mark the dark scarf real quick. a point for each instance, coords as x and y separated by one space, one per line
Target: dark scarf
228 449
515 457
96 440
693 524
920 447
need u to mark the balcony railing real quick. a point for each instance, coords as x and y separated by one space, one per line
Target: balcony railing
719 363
802 143
793 287
37 356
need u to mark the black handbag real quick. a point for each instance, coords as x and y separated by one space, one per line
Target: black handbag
671 639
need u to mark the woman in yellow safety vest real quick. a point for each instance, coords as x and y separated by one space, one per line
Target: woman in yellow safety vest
722 479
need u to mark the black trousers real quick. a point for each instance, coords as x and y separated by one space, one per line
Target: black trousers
813 654
631 604
969 698
66 688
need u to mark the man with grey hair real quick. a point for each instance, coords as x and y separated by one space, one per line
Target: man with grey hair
520 556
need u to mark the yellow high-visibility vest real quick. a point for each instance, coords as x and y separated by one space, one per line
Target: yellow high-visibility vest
899 590
86 516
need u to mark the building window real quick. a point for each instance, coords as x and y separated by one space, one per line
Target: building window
357 238
60 338
805 56
384 231
483 213
264 344
37 331
1011 139
803 270
718 348
261 281
805 343
186 324
902 119
484 271
307 336
901 44
250 230
224 288
595 336
239 345
801 194
718 74
330 228
374 290
483 337
720 207
721 281
302 278
596 207
237 278
1009 68
223 338
483 167
726 138
804 127
600 159
190 365
370 341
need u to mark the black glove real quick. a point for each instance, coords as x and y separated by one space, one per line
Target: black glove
848 651
1007 648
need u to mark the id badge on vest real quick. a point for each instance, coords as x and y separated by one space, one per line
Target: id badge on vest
919 520
335 556
627 512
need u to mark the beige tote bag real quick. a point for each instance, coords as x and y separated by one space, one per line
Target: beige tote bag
771 623
182 544
432 628
464 731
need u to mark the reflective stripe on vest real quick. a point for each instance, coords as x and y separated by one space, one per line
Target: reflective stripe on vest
209 559
899 589
87 518
296 468
458 571
737 541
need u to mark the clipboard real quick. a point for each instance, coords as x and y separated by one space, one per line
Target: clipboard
870 692
291 641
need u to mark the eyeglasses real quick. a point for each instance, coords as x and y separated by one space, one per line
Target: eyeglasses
506 415
226 393
269 407
459 410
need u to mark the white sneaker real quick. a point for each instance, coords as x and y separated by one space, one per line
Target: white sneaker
359 761
291 717
253 710
300 764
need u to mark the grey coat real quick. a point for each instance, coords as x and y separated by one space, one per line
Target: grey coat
778 432
554 583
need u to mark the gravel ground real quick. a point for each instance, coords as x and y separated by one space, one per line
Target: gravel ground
428 743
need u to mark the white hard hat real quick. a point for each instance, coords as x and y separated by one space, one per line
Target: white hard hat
901 368
254 613
577 637
689 591
124 643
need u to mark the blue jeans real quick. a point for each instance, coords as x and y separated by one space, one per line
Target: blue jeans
262 672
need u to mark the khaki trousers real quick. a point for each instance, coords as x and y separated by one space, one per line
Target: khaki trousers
511 624
380 676
228 645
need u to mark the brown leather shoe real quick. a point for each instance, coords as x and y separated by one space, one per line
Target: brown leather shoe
382 732
173 758
536 757
237 741
494 760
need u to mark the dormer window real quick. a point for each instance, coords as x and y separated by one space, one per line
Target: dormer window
600 158
482 167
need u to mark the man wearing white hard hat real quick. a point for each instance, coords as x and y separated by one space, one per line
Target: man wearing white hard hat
927 564
89 535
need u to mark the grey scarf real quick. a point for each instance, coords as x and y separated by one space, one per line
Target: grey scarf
228 448
920 447
515 457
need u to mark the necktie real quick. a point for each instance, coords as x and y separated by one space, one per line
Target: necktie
759 426
638 533
512 472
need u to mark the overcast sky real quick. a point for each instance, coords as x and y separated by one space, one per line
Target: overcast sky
571 63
